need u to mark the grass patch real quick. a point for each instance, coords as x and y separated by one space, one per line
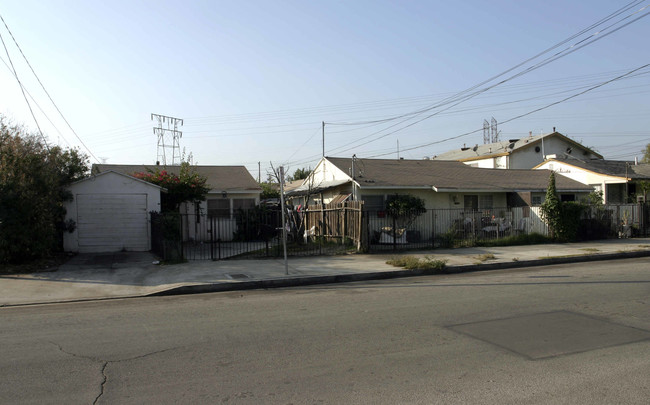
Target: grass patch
560 257
415 263
514 240
485 257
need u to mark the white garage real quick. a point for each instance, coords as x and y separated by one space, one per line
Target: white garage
110 212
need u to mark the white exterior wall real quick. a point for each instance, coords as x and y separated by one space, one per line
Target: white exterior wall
528 157
487 163
200 232
326 171
598 181
102 189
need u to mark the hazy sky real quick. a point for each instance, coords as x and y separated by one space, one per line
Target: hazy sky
253 80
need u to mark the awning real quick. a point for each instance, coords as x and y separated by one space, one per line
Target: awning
310 188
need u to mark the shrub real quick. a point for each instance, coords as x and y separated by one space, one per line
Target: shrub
33 187
414 263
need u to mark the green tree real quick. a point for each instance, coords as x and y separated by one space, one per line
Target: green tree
404 208
299 174
551 207
269 191
33 188
185 186
646 154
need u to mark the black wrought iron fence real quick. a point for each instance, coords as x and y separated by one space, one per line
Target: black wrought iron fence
253 233
448 227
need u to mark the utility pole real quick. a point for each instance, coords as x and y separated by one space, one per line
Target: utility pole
259 172
323 138
284 224
164 132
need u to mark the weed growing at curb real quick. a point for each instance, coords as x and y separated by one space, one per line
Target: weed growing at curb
414 263
515 259
590 249
485 257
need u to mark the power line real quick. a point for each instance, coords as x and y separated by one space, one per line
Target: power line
456 100
43 87
24 95
530 112
556 56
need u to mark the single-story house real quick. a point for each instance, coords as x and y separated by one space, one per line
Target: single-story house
519 153
455 191
110 212
441 184
616 179
231 188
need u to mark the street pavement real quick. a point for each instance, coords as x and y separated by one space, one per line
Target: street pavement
138 274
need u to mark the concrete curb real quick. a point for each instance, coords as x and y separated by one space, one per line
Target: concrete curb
301 281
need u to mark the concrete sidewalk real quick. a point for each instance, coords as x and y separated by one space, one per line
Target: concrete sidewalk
134 274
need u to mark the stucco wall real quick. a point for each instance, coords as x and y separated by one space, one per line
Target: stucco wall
108 184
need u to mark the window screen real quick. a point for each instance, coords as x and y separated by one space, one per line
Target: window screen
243 203
485 201
470 202
219 208
373 202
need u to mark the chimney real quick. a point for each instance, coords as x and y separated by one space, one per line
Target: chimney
636 161
553 129
530 134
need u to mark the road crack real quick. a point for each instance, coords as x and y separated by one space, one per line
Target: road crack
105 363
101 387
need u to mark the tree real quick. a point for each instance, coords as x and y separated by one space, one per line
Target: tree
551 209
646 154
404 208
33 188
268 191
186 186
299 174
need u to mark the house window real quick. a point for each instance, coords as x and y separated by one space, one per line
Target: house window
486 201
243 204
537 200
474 202
373 202
219 208
471 202
567 197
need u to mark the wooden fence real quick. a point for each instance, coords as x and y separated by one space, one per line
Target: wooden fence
335 221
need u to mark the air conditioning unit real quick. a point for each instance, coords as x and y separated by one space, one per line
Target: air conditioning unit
640 199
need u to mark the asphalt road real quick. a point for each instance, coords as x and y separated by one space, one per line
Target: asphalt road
559 334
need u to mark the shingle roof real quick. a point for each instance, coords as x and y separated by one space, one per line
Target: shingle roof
618 168
219 178
449 176
503 148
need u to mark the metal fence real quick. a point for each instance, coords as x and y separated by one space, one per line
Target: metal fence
257 233
448 227
253 233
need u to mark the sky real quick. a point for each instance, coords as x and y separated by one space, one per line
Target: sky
254 80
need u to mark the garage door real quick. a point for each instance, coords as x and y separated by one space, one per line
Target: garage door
112 222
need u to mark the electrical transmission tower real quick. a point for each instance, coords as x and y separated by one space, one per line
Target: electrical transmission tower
486 132
168 138
495 133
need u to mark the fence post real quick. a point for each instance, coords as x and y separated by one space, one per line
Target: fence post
394 233
345 215
211 230
433 229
